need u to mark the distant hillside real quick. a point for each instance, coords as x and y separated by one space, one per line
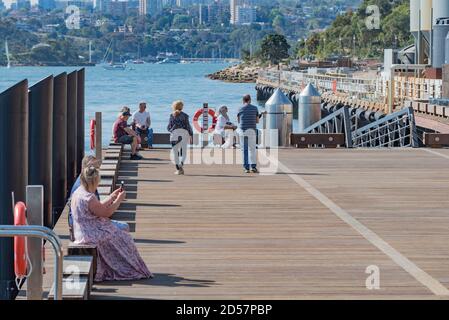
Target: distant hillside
355 33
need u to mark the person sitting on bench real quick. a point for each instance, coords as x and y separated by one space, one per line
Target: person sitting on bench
225 128
142 123
89 161
124 134
117 255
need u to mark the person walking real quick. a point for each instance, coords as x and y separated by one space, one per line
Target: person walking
180 133
142 123
248 118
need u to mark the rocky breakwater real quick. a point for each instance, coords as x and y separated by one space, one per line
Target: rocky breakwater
236 74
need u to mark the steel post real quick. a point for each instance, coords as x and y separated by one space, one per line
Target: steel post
72 84
13 173
59 143
80 132
40 156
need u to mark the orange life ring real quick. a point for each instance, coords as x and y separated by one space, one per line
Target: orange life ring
198 114
92 134
20 260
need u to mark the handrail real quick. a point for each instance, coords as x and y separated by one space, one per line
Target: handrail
7 231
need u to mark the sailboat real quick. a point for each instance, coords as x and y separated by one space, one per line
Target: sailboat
138 60
112 65
8 65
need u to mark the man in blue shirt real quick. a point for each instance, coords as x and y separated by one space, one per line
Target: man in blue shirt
248 118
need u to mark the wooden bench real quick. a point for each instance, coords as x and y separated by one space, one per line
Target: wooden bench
436 140
77 278
83 250
327 140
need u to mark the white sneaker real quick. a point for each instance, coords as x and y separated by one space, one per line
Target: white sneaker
177 172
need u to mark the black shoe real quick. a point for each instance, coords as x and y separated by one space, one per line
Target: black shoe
135 157
254 170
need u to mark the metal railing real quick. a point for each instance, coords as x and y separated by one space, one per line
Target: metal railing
295 81
336 122
7 231
374 90
395 130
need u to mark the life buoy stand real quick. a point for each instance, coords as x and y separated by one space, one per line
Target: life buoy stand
92 134
20 258
198 114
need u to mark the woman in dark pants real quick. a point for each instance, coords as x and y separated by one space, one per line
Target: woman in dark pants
180 133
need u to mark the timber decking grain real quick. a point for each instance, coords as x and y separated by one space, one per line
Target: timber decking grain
218 233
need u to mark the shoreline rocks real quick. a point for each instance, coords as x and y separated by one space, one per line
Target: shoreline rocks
236 74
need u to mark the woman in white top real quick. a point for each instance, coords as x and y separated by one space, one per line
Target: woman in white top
142 123
225 128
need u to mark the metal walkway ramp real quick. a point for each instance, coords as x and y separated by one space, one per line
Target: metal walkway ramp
395 130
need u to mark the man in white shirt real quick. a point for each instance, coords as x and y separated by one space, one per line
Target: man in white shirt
142 123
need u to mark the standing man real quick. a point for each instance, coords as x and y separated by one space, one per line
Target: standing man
124 134
142 123
248 118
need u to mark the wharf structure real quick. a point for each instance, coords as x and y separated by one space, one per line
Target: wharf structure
359 210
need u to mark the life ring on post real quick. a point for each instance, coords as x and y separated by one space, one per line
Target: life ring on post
197 116
92 134
20 259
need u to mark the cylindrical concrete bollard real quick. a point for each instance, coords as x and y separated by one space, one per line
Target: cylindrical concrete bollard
40 156
13 173
279 119
59 142
309 107
72 84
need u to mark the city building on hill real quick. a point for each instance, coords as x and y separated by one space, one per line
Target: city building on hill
203 14
103 6
46 4
84 5
233 5
118 8
245 15
150 7
21 4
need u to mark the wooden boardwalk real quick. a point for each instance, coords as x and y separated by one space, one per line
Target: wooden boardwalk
308 232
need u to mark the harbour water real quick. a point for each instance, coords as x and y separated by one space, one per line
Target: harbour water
157 84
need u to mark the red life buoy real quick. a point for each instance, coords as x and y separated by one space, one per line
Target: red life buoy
20 260
198 114
92 134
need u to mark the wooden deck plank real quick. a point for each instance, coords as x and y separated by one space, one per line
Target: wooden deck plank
218 233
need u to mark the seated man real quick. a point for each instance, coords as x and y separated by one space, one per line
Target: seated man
90 161
124 134
142 123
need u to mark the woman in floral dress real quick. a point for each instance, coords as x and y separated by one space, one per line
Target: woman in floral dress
117 258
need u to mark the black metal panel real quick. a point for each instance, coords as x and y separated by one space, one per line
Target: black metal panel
72 84
13 172
80 121
59 143
40 154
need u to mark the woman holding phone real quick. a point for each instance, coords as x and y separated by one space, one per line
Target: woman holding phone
117 255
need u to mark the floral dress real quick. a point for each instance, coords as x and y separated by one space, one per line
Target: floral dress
117 256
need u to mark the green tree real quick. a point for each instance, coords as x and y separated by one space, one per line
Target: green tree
274 48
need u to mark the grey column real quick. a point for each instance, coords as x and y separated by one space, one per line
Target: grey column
59 143
80 132
72 84
13 173
40 155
